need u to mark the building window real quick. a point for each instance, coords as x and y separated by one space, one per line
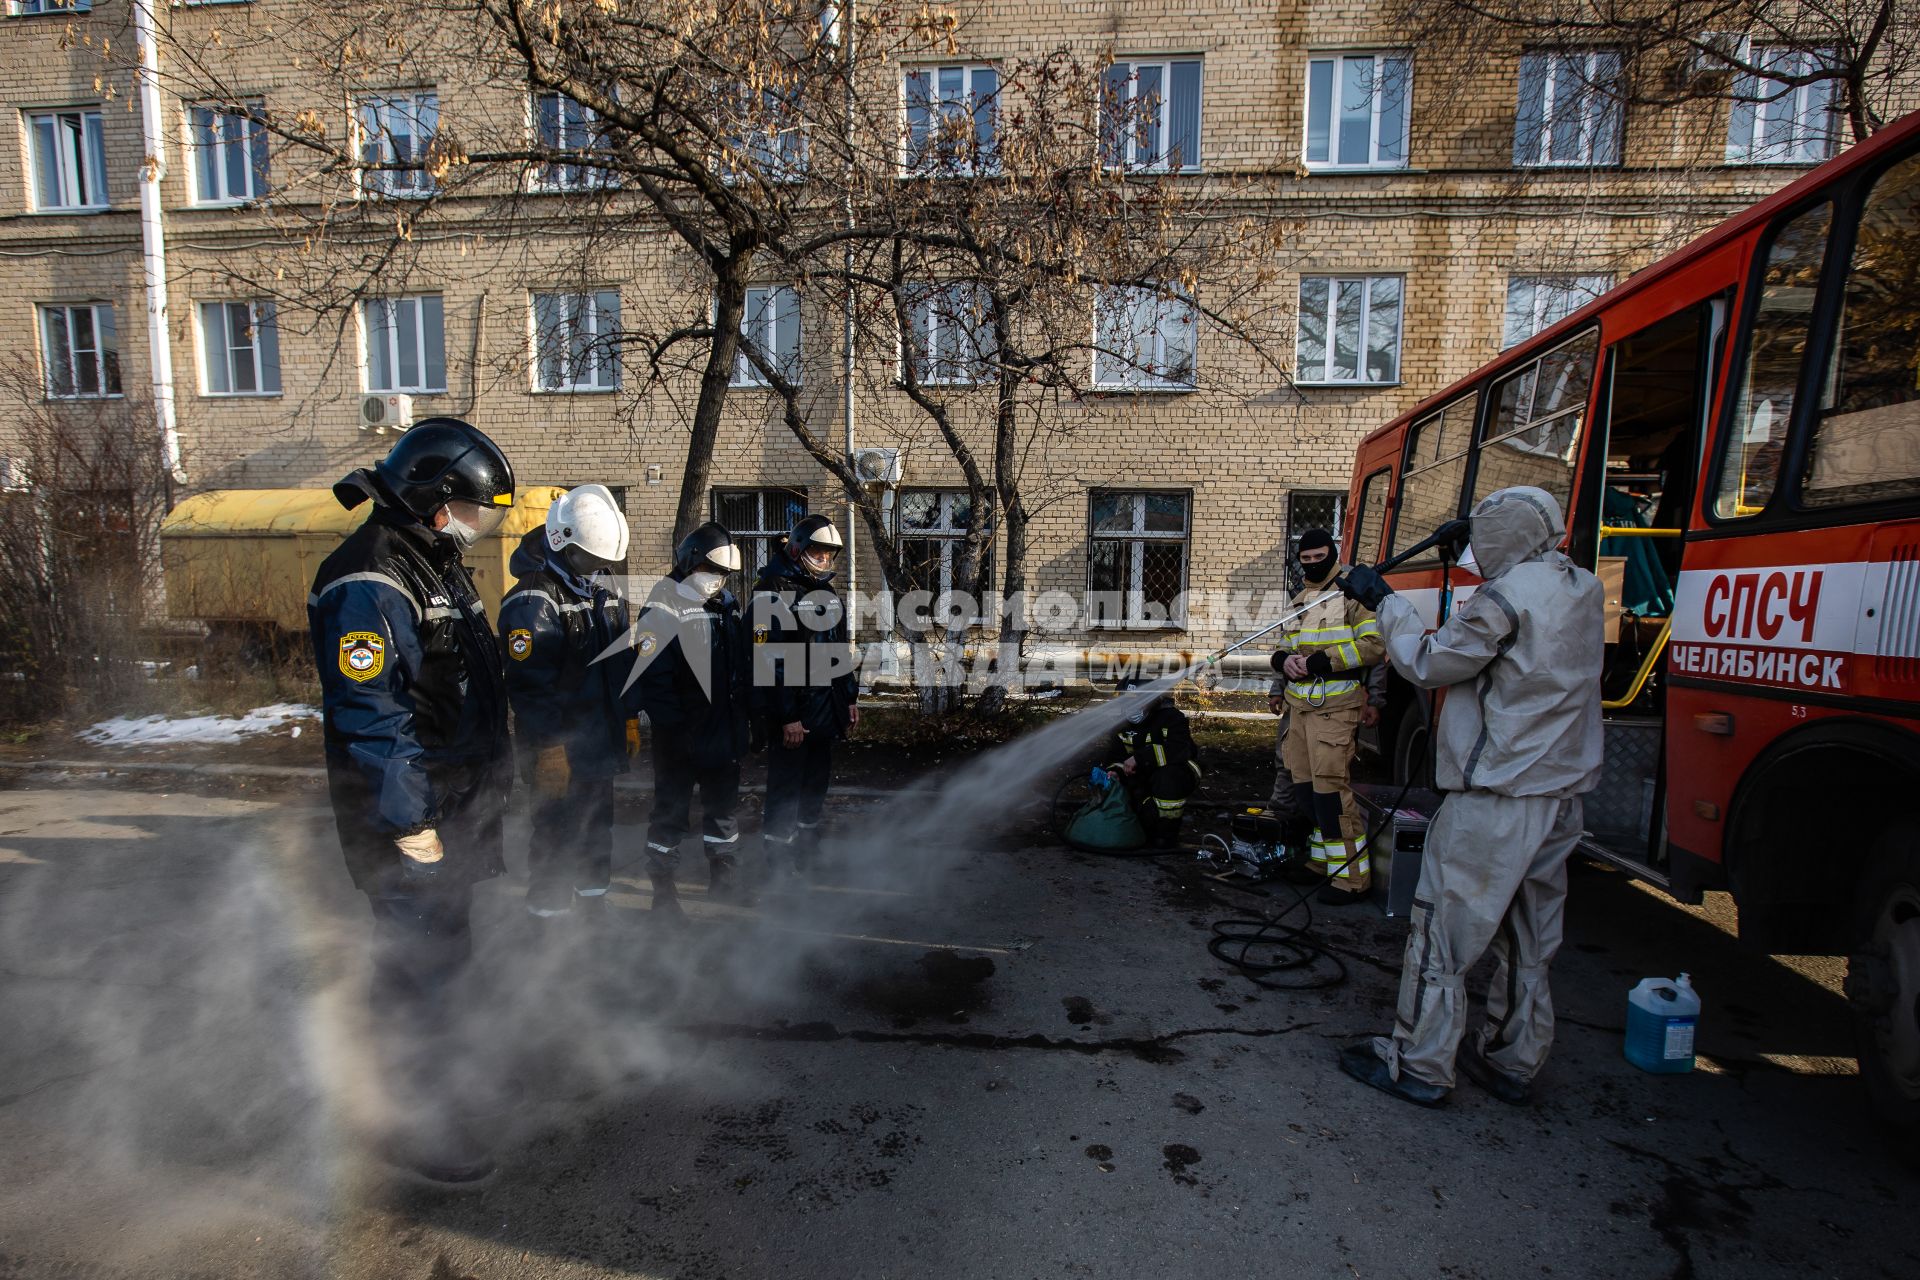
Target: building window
1144 339
1137 559
1569 111
1312 509
1357 111
1775 120
758 519
398 129
1150 116
1540 302
240 346
951 341
951 117
81 349
932 528
21 8
1349 329
771 324
576 341
406 344
229 150
563 125
69 159
767 137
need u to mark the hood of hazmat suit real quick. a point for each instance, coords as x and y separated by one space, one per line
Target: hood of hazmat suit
1520 658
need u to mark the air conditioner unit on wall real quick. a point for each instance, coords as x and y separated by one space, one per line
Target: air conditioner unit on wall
880 468
386 411
1717 51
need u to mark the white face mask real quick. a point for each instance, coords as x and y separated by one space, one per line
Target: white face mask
1467 561
706 582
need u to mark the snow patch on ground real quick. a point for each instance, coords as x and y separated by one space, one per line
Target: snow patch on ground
152 731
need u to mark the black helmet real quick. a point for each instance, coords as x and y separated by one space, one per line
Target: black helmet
813 533
440 460
709 546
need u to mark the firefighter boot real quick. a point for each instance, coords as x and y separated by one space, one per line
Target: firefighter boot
666 896
723 879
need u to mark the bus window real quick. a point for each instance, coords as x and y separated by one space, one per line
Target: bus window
1436 471
1866 439
1533 432
1750 457
1369 534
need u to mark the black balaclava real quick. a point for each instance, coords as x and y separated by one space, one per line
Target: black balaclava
1312 540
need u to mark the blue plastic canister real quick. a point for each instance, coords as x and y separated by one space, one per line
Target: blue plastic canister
1662 1014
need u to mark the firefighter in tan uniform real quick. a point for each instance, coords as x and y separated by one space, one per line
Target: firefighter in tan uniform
1324 660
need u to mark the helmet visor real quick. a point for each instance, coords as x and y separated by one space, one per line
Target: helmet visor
471 521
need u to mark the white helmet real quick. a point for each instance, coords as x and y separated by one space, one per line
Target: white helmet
588 518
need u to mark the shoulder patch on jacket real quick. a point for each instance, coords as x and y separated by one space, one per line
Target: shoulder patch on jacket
363 655
760 634
519 643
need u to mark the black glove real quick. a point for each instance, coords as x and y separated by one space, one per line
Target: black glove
1319 664
1453 536
1280 657
1364 586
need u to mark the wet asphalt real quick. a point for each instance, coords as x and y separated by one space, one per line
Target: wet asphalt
1027 1066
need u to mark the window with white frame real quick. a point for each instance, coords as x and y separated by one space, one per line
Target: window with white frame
1144 339
767 137
229 151
1357 110
951 340
576 341
1540 302
932 526
239 348
563 125
22 8
80 350
1150 116
397 129
406 344
1785 117
758 519
1137 558
69 159
952 114
1569 111
1312 509
1349 329
771 323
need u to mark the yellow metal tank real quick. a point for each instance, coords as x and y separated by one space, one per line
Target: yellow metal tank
249 555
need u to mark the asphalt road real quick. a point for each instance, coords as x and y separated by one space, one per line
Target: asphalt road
797 1091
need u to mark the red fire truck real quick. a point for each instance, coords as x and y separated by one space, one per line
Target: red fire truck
1735 434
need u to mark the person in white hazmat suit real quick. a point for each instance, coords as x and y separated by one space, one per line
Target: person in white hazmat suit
1518 746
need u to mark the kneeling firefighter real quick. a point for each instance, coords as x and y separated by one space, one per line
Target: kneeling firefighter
1324 659
557 624
693 681
1154 753
806 686
1517 745
418 758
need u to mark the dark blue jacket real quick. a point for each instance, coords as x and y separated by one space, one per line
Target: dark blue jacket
412 698
695 675
804 666
554 635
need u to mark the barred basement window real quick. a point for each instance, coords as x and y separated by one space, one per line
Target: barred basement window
1312 509
758 519
932 525
1137 559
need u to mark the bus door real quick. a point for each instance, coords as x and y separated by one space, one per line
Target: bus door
1635 495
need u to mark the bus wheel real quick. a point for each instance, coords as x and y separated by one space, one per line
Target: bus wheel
1883 984
1413 750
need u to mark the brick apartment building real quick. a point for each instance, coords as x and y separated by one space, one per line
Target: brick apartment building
1437 214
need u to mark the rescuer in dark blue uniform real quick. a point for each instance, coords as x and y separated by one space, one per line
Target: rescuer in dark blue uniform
1154 752
805 686
559 622
418 758
694 682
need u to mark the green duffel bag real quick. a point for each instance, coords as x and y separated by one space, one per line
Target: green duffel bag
1107 822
